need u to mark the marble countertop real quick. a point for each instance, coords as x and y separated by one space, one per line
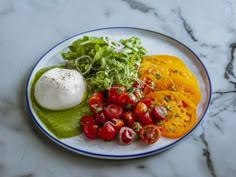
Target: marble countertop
28 28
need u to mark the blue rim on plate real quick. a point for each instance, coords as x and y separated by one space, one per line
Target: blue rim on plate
109 156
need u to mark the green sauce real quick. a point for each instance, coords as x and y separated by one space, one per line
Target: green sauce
63 123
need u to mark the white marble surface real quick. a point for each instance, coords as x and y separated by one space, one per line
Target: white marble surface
28 28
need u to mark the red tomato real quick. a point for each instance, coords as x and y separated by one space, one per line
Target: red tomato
127 100
159 113
136 126
91 131
114 93
86 120
117 123
127 136
95 98
140 109
147 101
145 119
150 134
113 111
107 132
101 118
96 108
128 118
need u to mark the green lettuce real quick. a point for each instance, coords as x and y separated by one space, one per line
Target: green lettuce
104 62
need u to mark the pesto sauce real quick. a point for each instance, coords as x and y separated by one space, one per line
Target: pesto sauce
62 123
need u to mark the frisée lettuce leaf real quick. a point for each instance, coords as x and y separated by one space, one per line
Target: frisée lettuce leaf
105 62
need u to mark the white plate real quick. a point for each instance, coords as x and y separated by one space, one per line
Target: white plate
155 43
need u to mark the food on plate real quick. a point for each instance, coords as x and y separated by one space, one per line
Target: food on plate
59 89
178 113
165 72
105 62
129 96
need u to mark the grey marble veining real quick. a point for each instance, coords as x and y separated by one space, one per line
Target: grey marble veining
28 28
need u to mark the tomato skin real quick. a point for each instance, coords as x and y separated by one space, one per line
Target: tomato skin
150 134
107 132
118 124
86 120
114 93
147 102
101 118
127 136
113 111
145 119
95 98
140 109
159 113
128 118
127 100
91 131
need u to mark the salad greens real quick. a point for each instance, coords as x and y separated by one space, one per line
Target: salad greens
105 62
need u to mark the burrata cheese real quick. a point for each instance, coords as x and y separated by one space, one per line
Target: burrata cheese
59 89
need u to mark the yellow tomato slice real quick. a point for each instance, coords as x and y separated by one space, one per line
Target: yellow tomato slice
181 113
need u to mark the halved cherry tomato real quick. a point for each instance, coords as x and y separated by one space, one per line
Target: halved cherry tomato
96 108
140 109
113 111
128 118
114 93
107 132
159 113
101 118
91 131
95 98
127 136
136 126
127 100
86 120
118 124
150 134
145 119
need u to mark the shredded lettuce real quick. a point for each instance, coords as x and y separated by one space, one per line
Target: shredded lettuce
105 62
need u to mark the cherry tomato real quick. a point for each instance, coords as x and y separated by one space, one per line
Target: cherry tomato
96 108
95 98
127 100
159 113
136 126
150 134
128 118
127 136
113 111
86 120
91 131
140 109
107 132
147 102
118 124
101 118
145 119
114 93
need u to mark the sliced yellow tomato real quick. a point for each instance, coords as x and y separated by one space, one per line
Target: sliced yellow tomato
181 113
169 73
